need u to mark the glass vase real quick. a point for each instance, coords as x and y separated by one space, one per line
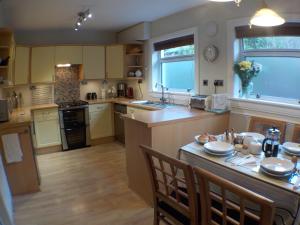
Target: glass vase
246 91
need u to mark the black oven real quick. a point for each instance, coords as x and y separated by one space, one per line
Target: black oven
74 127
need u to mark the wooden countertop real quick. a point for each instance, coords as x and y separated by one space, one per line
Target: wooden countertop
168 115
22 116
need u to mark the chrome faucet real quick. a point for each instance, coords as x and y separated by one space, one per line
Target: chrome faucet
163 100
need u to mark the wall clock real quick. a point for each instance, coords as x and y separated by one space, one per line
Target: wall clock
211 53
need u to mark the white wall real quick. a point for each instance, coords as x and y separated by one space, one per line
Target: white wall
220 13
51 37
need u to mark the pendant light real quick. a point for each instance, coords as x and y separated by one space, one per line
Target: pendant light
266 17
236 1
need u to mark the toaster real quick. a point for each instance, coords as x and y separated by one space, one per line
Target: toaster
198 101
5 110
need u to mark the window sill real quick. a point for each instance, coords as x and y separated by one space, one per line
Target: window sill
292 104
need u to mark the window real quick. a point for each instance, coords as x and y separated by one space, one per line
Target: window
174 65
280 60
177 68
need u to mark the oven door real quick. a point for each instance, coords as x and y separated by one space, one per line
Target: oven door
74 138
74 118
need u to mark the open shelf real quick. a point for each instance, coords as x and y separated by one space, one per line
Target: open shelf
135 66
3 67
134 78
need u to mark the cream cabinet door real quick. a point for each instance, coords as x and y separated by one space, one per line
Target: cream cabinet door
42 64
94 62
68 54
115 61
101 124
46 128
132 110
21 71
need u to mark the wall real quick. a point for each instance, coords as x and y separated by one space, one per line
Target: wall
220 13
2 17
52 37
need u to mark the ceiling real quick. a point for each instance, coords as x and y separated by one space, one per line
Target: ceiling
108 15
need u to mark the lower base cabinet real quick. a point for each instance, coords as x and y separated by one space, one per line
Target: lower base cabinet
101 122
23 177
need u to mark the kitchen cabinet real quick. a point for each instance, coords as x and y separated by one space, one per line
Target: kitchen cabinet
21 71
42 64
94 62
23 177
115 61
46 128
68 54
101 124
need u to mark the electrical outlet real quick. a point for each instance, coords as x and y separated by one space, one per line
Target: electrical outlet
219 83
205 82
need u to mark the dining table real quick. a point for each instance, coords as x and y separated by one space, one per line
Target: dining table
249 175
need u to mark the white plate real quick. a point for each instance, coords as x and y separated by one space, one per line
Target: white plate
286 151
292 147
277 166
275 175
217 154
256 136
197 140
219 147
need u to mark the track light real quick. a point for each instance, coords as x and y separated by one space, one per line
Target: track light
236 1
82 17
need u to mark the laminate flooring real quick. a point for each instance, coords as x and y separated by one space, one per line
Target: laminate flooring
83 187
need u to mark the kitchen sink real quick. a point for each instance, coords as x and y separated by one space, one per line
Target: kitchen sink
153 104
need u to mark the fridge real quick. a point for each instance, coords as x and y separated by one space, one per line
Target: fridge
6 203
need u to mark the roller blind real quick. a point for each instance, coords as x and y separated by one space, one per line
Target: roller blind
174 42
288 29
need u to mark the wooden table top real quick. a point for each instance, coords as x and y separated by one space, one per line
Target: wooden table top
249 170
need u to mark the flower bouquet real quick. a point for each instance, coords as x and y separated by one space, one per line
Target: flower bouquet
246 70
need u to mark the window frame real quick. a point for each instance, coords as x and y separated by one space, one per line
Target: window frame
155 67
243 54
174 59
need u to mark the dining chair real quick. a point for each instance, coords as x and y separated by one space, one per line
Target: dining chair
219 208
174 192
296 135
261 125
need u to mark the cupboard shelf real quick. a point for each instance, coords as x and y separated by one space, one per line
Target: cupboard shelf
3 67
134 78
134 54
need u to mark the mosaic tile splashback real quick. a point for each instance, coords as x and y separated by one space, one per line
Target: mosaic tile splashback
67 85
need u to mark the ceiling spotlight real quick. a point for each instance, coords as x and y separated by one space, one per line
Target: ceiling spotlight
82 17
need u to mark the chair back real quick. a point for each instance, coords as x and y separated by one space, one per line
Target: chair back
172 182
296 135
223 202
261 125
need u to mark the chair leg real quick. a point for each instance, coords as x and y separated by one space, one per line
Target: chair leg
156 217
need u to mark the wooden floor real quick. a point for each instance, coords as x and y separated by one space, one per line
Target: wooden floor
83 187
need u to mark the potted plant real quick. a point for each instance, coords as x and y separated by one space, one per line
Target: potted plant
246 70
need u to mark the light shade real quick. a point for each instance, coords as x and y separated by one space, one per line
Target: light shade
236 1
266 17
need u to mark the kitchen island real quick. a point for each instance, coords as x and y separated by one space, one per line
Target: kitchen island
165 130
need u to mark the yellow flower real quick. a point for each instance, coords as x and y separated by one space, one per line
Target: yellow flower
245 65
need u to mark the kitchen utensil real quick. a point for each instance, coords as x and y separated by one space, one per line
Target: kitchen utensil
121 89
277 166
94 95
218 154
255 148
275 175
270 145
129 92
138 73
201 140
256 136
219 147
89 96
292 147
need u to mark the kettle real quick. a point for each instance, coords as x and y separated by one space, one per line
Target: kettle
270 145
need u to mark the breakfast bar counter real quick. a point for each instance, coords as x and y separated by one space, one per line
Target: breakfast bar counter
165 130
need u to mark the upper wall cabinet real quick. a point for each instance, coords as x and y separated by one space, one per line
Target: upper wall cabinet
42 64
115 61
68 54
94 62
22 60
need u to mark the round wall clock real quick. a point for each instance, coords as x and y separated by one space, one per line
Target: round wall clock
211 53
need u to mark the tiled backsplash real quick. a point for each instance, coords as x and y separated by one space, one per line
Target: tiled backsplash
67 85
